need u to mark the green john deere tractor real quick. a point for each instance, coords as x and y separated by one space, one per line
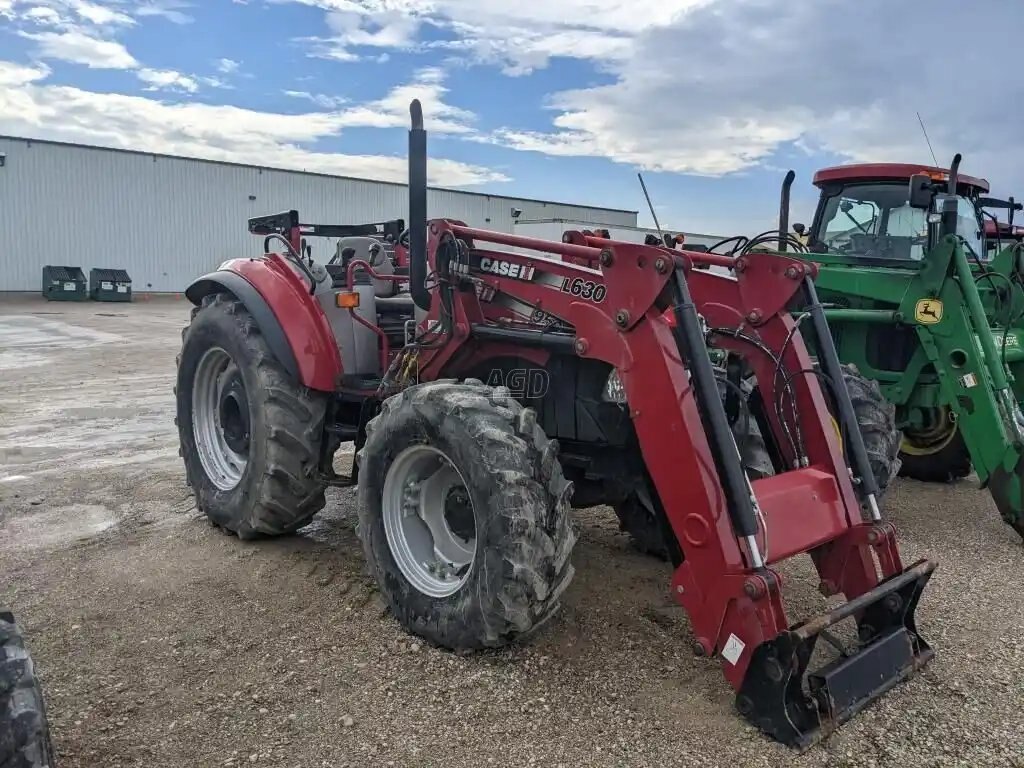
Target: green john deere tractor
924 303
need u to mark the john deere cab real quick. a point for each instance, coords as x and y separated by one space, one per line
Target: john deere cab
923 302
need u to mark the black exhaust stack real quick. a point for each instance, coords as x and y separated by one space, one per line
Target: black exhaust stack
954 174
418 208
949 209
784 210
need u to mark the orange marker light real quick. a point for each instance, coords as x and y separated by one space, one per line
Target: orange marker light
347 300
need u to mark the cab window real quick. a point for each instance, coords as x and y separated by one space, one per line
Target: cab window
874 221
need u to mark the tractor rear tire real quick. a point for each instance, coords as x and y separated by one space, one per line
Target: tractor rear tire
250 435
24 732
876 418
504 477
950 463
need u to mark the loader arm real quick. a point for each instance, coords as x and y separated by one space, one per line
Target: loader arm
957 359
642 314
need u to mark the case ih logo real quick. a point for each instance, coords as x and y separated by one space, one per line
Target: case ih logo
506 269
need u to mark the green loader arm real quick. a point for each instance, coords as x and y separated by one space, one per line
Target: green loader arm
960 361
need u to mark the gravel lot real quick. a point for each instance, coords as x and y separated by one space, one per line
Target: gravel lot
162 642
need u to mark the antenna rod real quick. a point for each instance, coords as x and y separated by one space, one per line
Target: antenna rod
650 205
929 141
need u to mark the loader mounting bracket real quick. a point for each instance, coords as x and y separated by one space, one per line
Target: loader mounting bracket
773 695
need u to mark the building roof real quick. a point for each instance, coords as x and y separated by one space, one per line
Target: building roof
306 173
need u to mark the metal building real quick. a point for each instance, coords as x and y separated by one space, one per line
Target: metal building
168 219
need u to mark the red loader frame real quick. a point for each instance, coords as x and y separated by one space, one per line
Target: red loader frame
641 313
725 582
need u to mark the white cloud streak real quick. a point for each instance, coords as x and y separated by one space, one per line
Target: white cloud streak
31 107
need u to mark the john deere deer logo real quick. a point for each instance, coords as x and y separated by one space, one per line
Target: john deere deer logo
928 311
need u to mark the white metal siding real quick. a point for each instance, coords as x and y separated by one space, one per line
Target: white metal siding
168 220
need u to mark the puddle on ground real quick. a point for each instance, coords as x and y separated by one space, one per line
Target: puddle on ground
57 527
25 340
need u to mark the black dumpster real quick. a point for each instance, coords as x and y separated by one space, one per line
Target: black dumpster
64 284
109 285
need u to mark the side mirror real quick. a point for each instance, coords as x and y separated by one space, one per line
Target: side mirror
921 192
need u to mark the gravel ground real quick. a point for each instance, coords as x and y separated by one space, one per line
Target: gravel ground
162 642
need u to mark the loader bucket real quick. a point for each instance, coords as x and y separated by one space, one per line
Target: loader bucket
774 695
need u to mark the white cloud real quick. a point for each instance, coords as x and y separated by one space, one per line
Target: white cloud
385 29
42 15
16 75
723 88
168 79
227 66
215 82
519 37
718 86
166 9
320 99
392 111
87 40
99 14
30 107
109 13
81 48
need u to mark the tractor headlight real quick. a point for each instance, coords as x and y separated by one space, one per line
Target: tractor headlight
614 392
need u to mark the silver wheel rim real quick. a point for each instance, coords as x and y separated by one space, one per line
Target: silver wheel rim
428 521
222 464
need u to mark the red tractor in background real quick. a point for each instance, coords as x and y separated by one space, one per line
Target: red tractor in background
464 494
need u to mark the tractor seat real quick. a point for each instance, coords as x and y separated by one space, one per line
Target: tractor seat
402 304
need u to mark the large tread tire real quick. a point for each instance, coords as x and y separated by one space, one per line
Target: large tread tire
644 527
950 463
24 732
279 491
524 534
876 418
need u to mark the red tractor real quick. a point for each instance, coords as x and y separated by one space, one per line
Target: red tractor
464 492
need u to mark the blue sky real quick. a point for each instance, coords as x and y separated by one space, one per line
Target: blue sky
566 100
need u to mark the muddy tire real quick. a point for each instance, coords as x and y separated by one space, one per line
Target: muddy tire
250 436
24 732
644 527
876 418
491 568
950 463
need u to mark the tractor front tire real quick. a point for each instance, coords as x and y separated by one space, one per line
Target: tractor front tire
948 464
464 514
24 732
250 435
876 418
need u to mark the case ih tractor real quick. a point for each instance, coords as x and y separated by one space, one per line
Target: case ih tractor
464 494
922 302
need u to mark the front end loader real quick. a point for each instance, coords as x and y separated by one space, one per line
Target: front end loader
465 487
921 301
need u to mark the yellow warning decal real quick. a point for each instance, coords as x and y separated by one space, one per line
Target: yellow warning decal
928 311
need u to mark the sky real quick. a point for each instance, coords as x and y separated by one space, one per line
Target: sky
713 100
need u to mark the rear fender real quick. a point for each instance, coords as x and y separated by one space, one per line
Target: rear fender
290 319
